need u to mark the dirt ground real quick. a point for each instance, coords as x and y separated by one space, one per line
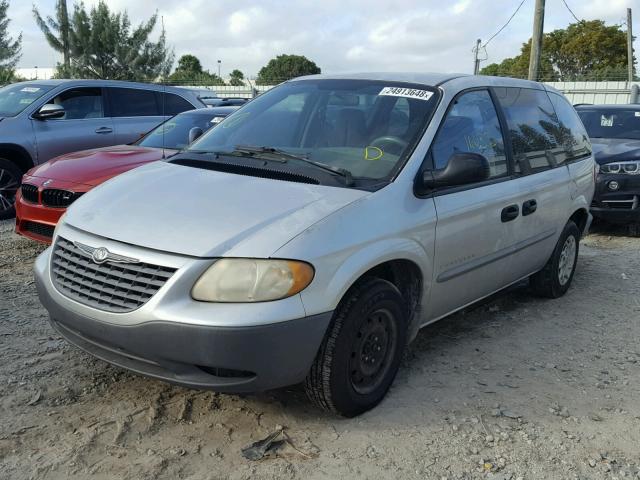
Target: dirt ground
518 387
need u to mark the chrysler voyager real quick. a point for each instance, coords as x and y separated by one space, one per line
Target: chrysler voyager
309 236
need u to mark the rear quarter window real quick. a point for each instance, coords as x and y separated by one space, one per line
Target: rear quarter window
571 134
172 104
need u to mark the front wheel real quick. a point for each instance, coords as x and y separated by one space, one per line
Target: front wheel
10 177
361 352
554 279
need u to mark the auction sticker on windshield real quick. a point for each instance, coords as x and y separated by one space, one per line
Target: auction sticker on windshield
406 92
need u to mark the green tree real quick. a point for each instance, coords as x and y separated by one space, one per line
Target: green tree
103 44
57 32
190 72
284 67
10 48
236 78
581 51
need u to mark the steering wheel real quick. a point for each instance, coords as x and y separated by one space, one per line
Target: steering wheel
391 141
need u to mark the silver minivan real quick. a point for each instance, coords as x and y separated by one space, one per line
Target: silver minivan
318 228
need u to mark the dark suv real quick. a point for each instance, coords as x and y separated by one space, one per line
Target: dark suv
615 136
45 118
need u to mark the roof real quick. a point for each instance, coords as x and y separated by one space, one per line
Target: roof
112 83
616 106
408 77
460 80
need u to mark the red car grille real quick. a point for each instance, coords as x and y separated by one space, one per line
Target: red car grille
29 193
56 198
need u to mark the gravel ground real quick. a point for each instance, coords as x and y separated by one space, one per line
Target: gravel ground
517 387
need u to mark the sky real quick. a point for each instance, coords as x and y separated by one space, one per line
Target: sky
339 35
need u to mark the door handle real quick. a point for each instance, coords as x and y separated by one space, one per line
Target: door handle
529 207
104 130
510 213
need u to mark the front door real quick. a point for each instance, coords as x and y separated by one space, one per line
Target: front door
83 126
475 230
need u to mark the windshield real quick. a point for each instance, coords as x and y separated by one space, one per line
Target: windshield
367 128
613 123
15 98
174 133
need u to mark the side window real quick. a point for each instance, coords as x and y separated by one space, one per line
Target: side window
471 125
133 102
571 134
173 104
533 127
80 103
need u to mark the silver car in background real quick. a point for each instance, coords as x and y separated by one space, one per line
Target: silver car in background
318 228
42 119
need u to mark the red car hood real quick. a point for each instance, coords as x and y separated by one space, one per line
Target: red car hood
93 167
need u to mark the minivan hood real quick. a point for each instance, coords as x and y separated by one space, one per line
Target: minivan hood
607 150
204 213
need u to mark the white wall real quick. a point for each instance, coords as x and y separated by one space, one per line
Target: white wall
595 92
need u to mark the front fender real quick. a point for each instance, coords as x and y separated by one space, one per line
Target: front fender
337 273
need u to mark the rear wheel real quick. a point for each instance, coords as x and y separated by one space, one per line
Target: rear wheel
554 279
361 353
10 176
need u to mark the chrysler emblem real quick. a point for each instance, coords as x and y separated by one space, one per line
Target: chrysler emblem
101 255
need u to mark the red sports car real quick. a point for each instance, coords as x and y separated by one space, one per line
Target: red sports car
48 189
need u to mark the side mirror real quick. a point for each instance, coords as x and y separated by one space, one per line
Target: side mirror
195 133
463 168
50 110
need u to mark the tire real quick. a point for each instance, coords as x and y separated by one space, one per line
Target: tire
10 178
555 278
361 352
634 229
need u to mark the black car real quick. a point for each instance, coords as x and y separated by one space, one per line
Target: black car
615 135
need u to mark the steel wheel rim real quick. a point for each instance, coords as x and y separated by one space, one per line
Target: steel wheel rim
372 351
8 188
567 260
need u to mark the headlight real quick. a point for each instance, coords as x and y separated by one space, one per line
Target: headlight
240 280
631 168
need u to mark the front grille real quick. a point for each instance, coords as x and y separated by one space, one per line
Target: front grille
109 286
38 228
29 192
56 198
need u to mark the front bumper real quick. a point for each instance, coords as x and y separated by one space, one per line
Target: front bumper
193 343
620 206
36 221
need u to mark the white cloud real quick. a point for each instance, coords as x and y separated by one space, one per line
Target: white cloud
339 35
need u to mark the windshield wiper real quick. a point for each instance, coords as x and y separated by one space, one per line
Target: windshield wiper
285 156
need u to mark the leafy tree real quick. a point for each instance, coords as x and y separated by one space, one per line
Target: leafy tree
583 50
189 63
189 71
105 46
102 44
284 67
237 78
57 32
10 49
